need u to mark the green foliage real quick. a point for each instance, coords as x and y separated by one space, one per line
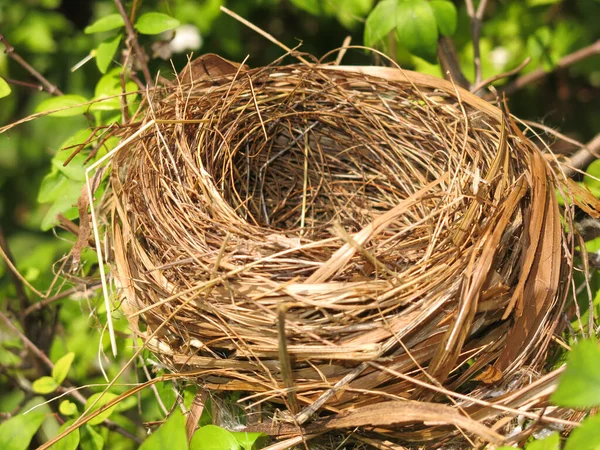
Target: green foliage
211 437
169 435
67 408
16 433
65 105
155 23
4 88
106 23
44 385
90 438
552 442
106 51
579 386
586 437
70 441
416 24
62 366
95 402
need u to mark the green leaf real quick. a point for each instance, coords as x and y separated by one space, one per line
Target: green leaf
68 104
249 441
445 16
106 23
62 366
380 22
585 437
579 385
312 6
108 87
103 399
51 187
44 385
16 433
552 442
592 177
4 88
170 434
155 23
62 192
106 51
211 437
541 2
70 441
91 439
416 28
67 408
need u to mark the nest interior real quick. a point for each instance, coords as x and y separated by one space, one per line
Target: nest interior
320 237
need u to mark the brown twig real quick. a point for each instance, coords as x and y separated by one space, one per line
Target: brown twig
132 39
476 19
583 157
37 87
449 62
42 304
509 73
10 51
566 61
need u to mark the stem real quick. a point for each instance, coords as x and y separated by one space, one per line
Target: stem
476 20
47 301
583 157
132 38
449 62
566 61
10 51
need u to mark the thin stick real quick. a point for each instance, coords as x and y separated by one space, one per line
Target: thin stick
132 37
39 305
566 61
584 157
510 73
477 401
263 33
10 51
343 50
449 62
476 19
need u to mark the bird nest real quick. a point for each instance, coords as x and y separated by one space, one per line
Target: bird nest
349 245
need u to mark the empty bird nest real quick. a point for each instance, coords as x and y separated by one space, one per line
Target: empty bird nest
359 250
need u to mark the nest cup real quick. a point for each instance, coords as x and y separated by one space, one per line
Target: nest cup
318 237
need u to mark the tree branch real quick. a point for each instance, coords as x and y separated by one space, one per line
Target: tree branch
47 301
132 38
565 61
583 157
476 21
10 51
449 62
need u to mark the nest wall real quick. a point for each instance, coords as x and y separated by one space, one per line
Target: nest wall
314 235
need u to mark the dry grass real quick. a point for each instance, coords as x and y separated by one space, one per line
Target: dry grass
353 246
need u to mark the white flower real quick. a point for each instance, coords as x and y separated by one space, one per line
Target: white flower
187 37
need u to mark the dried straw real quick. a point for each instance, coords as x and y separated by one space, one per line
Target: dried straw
352 245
